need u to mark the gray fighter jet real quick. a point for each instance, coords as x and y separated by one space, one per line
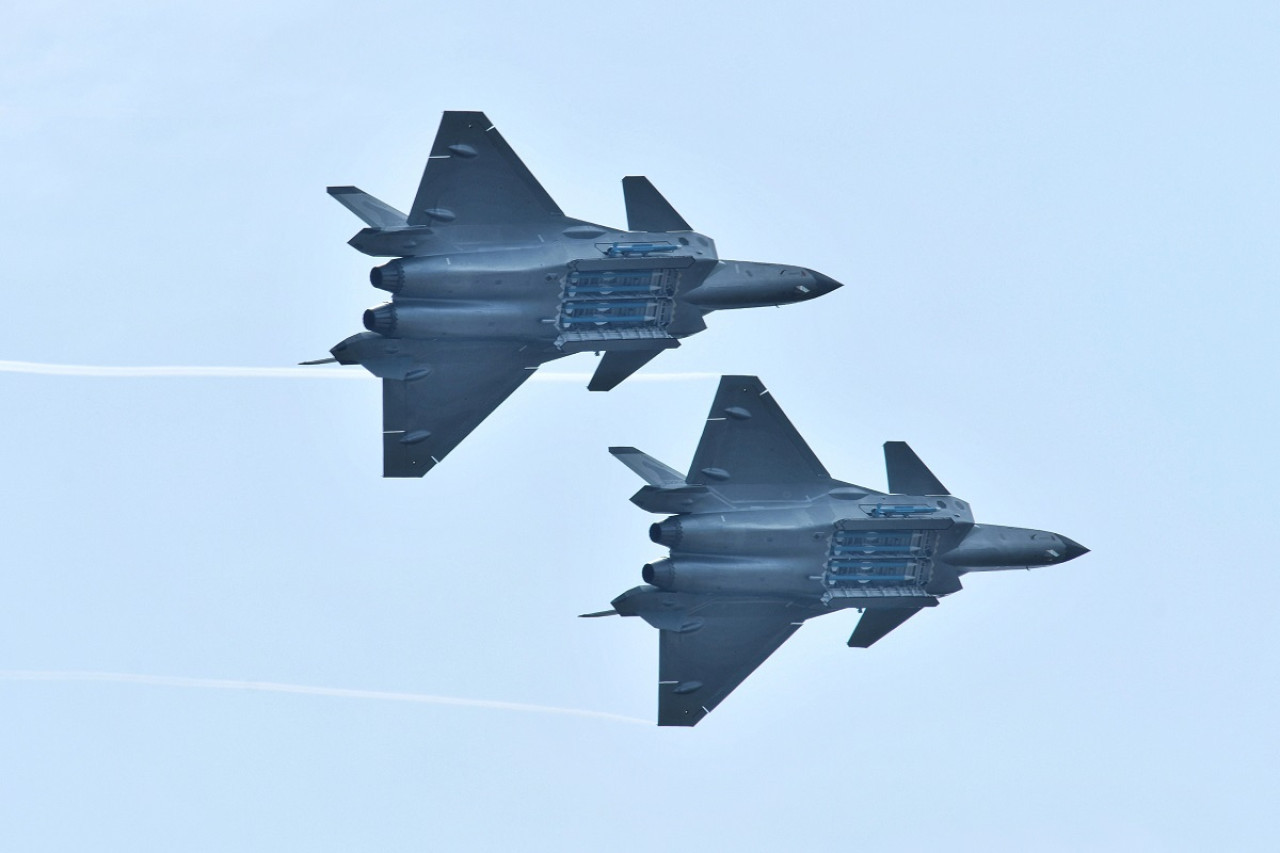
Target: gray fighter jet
762 538
491 280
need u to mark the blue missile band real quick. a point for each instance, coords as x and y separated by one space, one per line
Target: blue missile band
849 565
638 248
899 509
864 580
630 318
601 305
604 290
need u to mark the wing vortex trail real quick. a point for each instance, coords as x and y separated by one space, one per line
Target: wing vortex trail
101 371
304 690
38 368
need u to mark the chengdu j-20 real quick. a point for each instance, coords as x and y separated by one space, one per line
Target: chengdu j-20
491 280
761 538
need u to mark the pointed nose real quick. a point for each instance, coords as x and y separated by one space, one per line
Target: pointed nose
823 284
1073 549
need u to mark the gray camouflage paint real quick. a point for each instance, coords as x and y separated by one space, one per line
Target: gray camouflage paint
761 538
490 280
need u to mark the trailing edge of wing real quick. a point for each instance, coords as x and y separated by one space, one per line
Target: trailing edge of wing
374 212
748 439
647 210
698 667
907 474
444 394
474 178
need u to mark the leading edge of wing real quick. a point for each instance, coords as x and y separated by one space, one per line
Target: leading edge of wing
720 644
749 440
473 177
443 397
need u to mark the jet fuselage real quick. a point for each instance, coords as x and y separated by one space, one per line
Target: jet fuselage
587 286
828 544
490 280
761 539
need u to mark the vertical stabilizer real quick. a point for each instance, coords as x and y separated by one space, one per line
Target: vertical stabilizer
647 210
617 365
874 624
907 474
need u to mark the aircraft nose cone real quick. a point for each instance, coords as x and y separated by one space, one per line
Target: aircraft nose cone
1074 549
823 284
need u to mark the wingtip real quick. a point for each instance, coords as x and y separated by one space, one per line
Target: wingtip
682 720
742 382
466 115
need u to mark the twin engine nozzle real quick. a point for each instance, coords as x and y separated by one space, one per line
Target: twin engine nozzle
381 319
659 573
667 532
389 277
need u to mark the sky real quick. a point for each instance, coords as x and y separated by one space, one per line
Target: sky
221 629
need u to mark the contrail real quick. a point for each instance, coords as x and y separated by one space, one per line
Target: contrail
42 369
193 372
305 690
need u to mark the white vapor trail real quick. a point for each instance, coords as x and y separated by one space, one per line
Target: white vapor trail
304 690
42 369
191 372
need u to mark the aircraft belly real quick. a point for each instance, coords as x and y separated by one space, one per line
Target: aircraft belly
442 319
704 573
799 532
775 541
627 303
475 273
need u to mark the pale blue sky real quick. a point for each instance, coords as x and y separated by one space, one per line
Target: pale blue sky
1057 230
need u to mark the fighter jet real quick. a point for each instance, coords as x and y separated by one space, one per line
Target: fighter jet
491 280
761 538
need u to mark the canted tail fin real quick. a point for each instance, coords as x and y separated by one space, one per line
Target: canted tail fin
875 623
374 213
647 210
907 474
617 365
650 470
